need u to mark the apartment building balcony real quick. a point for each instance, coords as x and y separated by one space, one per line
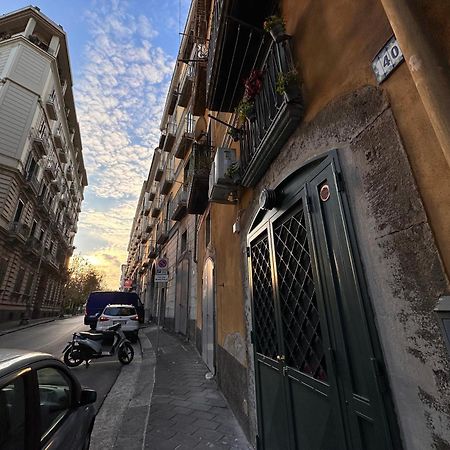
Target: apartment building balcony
152 192
171 130
18 230
149 226
50 170
50 106
159 171
43 203
144 238
198 178
62 154
162 231
179 204
236 41
185 136
58 138
34 245
156 207
32 184
147 207
276 115
173 98
185 86
167 183
64 200
69 174
39 141
56 185
152 251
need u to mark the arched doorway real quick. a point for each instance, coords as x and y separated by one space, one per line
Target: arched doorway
208 314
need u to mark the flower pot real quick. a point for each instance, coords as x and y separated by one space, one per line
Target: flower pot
277 33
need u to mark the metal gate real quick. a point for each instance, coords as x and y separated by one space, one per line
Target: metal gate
318 371
181 312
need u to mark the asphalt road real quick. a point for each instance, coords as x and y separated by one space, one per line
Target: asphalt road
52 337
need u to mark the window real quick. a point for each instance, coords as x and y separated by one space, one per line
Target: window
119 311
208 230
183 244
19 210
41 234
31 167
29 284
33 228
42 128
55 397
19 280
12 415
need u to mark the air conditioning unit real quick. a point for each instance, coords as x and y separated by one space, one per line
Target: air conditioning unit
221 186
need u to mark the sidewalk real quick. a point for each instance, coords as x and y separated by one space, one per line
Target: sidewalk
173 405
12 326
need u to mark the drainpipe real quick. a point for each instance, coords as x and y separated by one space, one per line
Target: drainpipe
427 69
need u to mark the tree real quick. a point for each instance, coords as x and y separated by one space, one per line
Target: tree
83 278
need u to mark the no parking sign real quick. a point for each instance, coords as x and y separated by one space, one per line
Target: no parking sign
162 270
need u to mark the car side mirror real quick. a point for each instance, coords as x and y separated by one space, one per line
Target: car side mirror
87 397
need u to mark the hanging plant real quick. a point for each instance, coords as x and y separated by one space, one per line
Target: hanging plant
253 84
276 27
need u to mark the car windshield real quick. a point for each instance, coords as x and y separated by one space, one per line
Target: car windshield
119 311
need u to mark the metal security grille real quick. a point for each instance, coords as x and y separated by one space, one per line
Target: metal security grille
263 306
298 303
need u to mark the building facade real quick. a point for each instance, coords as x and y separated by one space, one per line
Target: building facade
317 185
42 174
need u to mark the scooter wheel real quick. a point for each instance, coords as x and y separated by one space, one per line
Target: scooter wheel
72 358
126 353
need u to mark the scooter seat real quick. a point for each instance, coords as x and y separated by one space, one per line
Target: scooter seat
92 336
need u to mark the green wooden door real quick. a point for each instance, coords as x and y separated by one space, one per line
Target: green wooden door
318 380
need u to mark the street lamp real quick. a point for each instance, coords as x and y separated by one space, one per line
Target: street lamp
442 311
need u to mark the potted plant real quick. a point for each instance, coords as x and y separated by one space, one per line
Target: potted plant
276 27
245 109
234 172
287 85
253 84
235 133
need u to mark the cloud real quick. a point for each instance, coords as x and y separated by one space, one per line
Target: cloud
120 99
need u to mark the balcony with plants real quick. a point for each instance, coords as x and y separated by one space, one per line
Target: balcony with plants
198 178
185 135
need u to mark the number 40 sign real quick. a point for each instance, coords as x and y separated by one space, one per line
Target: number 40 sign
387 59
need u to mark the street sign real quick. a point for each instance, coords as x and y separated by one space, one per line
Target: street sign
162 270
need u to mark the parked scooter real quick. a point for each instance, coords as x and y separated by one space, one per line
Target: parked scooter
89 345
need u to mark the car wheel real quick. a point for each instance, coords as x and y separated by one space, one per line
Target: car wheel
126 353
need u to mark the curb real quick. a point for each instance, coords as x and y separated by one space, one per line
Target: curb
23 327
127 401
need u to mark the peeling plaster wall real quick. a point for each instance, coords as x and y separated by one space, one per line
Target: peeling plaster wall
403 271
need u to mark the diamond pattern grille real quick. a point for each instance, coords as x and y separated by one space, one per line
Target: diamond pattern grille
263 306
299 313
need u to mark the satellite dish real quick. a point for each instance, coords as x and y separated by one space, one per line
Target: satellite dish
200 128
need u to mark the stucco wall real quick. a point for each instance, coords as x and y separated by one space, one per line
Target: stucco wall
401 263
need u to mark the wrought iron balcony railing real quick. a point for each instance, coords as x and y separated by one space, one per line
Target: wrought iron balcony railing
40 141
171 130
185 135
162 231
275 116
198 178
185 86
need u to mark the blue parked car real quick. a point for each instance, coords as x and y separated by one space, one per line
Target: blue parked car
98 300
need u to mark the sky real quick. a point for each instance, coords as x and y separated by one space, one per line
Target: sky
122 55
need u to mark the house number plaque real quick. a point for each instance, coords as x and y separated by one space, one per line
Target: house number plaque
387 59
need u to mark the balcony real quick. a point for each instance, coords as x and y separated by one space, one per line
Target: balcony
39 141
34 245
62 154
173 97
69 174
156 207
179 204
162 231
149 227
50 106
167 183
18 230
171 130
50 170
43 203
144 238
159 171
32 183
152 192
185 136
55 185
152 252
276 116
235 44
198 179
58 139
63 201
185 86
